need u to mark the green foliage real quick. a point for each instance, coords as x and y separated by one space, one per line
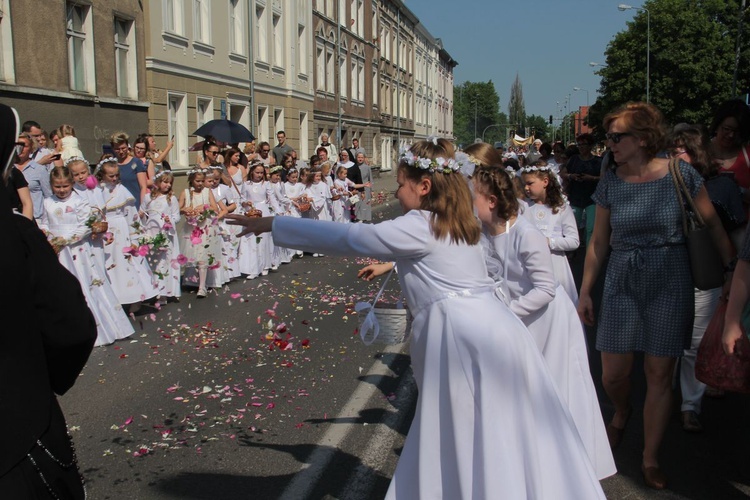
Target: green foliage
516 106
540 127
480 98
692 60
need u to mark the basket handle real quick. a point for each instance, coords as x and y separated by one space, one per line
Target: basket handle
371 321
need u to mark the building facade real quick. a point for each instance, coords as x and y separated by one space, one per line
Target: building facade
85 67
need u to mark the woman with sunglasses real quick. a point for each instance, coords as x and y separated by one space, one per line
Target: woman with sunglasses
648 302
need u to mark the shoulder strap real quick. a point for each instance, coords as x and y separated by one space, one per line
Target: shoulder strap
683 194
747 160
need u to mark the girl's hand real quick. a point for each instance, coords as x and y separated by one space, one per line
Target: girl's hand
732 333
367 273
586 310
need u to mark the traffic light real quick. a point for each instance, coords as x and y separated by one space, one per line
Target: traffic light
550 119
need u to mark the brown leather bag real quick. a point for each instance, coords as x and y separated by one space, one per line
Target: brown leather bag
717 369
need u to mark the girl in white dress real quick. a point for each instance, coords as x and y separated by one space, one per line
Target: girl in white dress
198 236
488 421
294 193
88 187
325 169
519 259
218 272
128 272
548 209
227 195
280 206
341 187
255 253
65 222
319 195
162 214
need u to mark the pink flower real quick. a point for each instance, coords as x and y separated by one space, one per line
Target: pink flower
167 226
91 182
195 240
143 250
182 260
129 250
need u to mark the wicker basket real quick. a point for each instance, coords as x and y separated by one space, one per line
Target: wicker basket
394 321
303 205
254 213
99 227
335 197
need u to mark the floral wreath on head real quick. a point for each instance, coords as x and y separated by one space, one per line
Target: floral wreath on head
161 174
550 171
432 165
198 170
275 169
74 159
100 165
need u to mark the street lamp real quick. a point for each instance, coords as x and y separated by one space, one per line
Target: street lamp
595 64
623 7
577 89
476 100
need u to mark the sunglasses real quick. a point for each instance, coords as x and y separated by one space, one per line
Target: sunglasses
616 136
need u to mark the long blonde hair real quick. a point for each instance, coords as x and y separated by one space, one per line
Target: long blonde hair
449 199
155 190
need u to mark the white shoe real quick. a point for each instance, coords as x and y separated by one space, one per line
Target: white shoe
274 268
251 276
299 253
264 273
162 300
316 255
201 293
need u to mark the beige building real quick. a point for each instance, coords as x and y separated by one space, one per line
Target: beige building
84 68
433 97
198 67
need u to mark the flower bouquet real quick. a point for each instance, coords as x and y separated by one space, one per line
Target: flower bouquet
251 211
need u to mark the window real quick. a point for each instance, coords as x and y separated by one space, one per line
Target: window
236 27
262 31
320 68
357 10
303 135
329 72
278 42
204 111
360 81
301 50
202 21
375 87
342 19
174 17
278 121
177 123
6 44
343 77
239 113
80 48
125 67
262 124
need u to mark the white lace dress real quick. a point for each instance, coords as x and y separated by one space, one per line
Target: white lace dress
163 216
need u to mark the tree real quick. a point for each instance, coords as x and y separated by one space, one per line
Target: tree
539 127
477 100
692 60
516 107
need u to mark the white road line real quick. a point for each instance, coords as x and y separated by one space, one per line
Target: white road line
307 478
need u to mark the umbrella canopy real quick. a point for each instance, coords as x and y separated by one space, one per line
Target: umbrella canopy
225 131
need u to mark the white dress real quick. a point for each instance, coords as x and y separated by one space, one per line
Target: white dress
293 191
200 242
95 198
535 297
562 232
164 263
67 219
489 422
256 251
280 208
341 206
130 275
230 244
320 198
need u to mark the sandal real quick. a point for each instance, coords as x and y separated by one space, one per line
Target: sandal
614 434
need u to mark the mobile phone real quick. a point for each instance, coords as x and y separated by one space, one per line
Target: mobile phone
55 157
172 139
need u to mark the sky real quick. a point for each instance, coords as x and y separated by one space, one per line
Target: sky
549 43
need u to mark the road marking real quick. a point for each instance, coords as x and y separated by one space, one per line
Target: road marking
305 481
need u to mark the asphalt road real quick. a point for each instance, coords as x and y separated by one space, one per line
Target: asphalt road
204 403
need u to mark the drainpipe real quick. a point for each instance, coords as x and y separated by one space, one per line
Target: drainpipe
251 63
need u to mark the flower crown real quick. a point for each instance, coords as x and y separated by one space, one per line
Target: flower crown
161 174
198 170
74 159
439 164
108 159
549 170
275 169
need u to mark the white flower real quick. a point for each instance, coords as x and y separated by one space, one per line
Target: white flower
425 163
440 160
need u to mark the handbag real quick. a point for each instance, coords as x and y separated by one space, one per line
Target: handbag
717 369
353 199
705 262
385 323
